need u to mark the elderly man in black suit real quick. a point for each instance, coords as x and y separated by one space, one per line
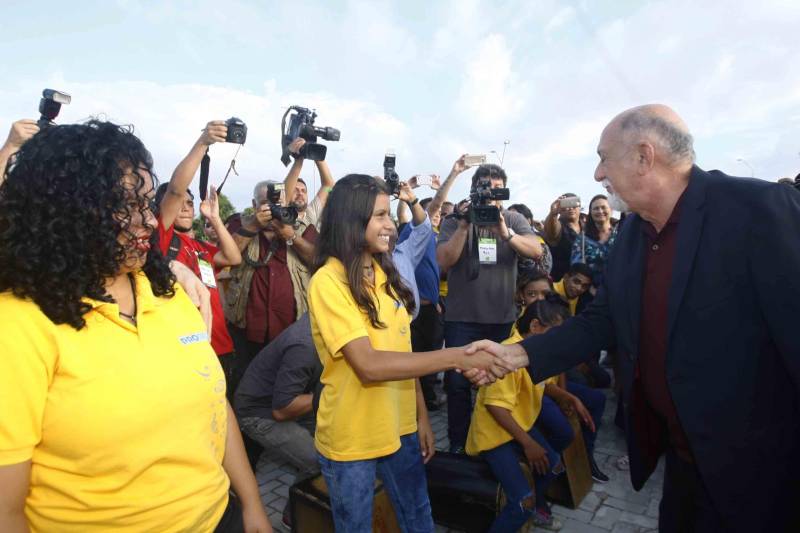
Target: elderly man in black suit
701 299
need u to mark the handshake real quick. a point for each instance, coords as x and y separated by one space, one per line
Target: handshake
487 361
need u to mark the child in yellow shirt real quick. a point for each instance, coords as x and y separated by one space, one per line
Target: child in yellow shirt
371 399
502 430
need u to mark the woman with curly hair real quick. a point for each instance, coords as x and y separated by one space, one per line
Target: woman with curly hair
370 402
112 403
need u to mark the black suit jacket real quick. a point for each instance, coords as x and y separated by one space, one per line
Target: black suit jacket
733 356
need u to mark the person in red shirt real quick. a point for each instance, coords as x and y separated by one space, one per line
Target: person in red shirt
175 215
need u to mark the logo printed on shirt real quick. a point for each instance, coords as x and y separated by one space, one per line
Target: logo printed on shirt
194 338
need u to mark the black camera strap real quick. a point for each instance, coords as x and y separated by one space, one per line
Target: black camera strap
204 168
473 261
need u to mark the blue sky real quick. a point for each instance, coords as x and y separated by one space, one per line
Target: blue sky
430 79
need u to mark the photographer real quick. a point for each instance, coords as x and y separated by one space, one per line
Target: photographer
484 306
262 298
561 228
175 216
21 132
297 190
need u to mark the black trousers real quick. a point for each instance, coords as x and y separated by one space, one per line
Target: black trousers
427 334
686 505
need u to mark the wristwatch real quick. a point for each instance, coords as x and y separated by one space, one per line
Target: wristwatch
412 204
246 232
511 234
290 242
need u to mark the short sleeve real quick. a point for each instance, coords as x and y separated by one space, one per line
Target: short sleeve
519 224
164 236
27 365
335 312
448 227
503 392
293 376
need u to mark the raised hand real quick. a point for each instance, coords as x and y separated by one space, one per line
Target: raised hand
215 132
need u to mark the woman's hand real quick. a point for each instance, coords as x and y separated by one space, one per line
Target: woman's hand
427 440
255 519
195 289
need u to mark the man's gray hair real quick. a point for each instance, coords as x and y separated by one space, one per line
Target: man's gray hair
262 185
678 144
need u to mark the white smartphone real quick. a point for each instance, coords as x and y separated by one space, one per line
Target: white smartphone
424 179
569 201
474 160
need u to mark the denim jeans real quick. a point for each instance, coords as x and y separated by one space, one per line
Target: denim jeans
351 485
504 462
595 402
457 387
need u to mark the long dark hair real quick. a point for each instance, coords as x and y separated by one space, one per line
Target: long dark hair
62 207
590 228
343 225
549 312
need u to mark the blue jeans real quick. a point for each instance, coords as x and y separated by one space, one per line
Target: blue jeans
457 387
351 486
504 462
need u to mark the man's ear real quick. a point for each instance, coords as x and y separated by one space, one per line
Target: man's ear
646 153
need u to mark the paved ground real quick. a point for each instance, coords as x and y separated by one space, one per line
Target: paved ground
613 506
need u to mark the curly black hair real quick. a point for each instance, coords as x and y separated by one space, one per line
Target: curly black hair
62 207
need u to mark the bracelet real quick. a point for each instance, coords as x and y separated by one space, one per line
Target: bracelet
246 232
412 204
328 189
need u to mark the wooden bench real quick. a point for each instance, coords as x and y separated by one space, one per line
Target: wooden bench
571 489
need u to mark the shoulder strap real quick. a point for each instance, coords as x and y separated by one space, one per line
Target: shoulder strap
174 247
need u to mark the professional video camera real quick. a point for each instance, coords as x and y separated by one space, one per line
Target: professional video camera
50 105
480 213
284 215
389 175
301 124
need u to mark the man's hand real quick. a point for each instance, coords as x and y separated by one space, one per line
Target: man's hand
537 457
20 133
284 232
263 216
195 289
209 207
295 146
215 132
509 357
436 182
427 441
405 193
459 166
555 207
501 229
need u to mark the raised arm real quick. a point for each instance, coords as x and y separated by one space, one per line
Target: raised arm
441 195
215 131
21 132
229 253
449 251
552 226
290 181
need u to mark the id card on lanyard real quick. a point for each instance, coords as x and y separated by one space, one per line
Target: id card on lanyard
487 250
206 273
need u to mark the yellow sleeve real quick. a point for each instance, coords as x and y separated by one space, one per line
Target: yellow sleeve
335 312
503 392
28 361
515 336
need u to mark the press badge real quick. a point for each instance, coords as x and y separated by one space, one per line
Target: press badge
487 251
207 273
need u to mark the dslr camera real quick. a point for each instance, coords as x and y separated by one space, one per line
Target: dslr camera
301 124
480 213
50 106
284 215
237 131
389 175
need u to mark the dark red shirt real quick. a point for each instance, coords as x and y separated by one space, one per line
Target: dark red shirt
653 336
190 253
270 303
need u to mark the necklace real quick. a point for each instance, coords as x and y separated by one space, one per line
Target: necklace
132 317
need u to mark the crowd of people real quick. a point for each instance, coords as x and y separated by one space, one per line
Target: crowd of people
133 352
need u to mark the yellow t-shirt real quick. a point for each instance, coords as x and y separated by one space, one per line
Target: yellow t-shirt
515 392
124 426
573 303
357 421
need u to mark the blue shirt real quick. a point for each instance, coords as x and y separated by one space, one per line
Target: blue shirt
413 246
427 271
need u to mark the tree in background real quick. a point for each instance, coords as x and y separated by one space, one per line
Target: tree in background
226 209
